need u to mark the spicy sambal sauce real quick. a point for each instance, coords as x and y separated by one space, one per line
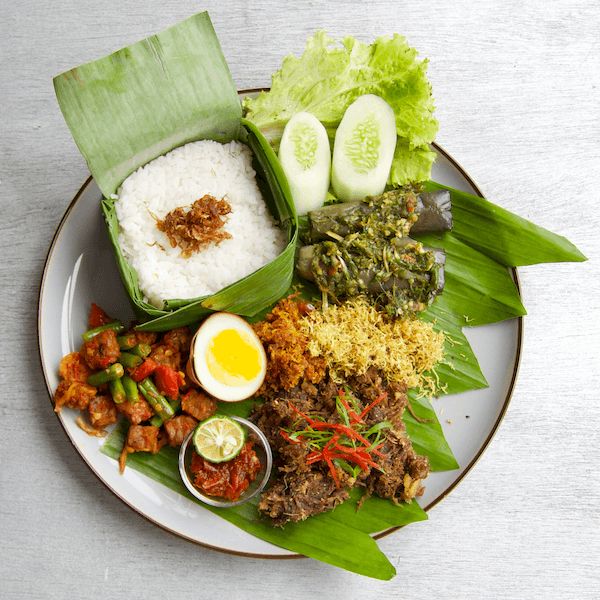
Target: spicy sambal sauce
229 479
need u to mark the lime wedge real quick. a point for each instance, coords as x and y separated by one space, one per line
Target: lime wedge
218 439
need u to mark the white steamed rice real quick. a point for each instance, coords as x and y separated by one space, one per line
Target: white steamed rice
178 179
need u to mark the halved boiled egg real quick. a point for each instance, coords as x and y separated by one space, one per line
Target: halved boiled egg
227 358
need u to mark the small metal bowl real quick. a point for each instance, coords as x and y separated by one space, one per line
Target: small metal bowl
263 451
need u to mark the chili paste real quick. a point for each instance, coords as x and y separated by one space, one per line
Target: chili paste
229 479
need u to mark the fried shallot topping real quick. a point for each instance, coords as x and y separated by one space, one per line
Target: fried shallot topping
198 227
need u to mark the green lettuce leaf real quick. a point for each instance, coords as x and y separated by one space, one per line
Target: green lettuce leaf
410 164
327 78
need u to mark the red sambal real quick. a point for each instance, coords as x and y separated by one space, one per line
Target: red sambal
227 479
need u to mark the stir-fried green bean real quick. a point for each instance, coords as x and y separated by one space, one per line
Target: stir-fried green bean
127 341
157 401
131 361
92 333
131 389
141 349
111 373
117 391
157 420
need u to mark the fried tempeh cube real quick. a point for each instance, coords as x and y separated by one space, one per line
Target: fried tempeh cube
136 412
177 429
199 405
74 395
102 411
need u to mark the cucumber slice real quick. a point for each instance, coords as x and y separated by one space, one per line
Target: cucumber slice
364 148
305 156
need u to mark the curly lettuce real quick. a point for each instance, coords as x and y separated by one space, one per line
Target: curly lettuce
328 77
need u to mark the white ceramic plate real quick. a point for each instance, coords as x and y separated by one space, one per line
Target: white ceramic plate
80 269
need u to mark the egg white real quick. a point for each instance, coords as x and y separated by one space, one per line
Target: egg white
207 331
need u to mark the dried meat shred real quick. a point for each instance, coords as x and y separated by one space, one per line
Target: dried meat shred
303 487
198 227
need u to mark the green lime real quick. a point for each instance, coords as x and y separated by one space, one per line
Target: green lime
218 439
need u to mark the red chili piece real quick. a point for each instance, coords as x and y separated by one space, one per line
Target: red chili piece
360 456
284 434
97 317
354 418
144 370
167 381
375 402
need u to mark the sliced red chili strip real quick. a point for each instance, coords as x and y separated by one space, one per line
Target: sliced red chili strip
374 403
361 455
285 435
351 433
332 441
333 470
305 417
376 452
354 417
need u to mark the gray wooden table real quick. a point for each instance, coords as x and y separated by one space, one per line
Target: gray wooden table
518 99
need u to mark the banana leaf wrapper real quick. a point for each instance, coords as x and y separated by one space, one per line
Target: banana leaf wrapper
142 101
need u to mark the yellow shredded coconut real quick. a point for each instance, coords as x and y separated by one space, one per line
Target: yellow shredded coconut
354 336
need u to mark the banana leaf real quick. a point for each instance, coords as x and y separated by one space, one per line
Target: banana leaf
144 100
460 371
427 436
479 290
340 538
503 236
140 102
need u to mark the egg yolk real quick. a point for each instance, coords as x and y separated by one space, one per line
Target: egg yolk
232 358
